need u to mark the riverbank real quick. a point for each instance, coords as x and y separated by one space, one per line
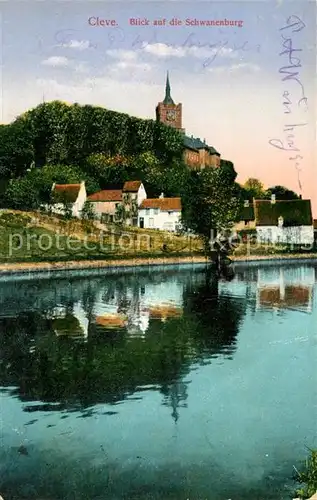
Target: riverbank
29 267
38 267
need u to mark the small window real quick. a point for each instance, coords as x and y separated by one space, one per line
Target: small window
156 211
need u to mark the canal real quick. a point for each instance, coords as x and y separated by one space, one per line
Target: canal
158 384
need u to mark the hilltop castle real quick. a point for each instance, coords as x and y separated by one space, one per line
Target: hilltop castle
197 154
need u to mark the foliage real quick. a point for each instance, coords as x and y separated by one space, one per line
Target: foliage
228 170
281 193
58 133
87 212
211 202
253 188
16 149
21 194
34 189
308 477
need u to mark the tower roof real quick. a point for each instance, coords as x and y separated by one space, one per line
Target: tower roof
168 99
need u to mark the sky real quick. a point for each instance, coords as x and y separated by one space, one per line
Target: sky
229 79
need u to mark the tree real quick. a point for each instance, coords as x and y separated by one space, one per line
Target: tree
254 188
228 170
21 194
34 189
87 212
16 149
281 193
210 203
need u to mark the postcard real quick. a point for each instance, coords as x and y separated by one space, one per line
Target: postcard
158 250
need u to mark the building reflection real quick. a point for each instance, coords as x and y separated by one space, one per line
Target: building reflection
286 288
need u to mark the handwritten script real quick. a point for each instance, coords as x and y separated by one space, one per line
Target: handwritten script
116 38
289 141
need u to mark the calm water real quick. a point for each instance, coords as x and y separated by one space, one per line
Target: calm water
158 384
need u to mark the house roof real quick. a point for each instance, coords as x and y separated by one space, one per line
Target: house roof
66 192
247 213
106 195
131 186
294 212
164 204
196 144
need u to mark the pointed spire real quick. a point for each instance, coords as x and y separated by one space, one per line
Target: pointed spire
168 99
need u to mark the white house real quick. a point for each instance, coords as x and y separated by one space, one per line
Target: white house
73 195
133 194
284 221
160 213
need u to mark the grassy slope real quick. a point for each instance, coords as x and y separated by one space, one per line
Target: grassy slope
34 237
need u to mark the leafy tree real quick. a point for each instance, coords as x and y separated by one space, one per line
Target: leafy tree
34 189
228 170
69 134
210 203
254 188
16 149
281 193
21 194
87 212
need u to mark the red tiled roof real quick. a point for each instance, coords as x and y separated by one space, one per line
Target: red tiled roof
164 204
106 195
131 186
66 192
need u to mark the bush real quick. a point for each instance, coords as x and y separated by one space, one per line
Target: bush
308 477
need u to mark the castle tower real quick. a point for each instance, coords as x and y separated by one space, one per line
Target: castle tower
167 111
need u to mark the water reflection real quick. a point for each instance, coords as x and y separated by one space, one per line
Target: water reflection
110 364
286 288
89 341
99 340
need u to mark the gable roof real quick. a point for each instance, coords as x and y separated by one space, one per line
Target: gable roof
131 186
164 204
66 192
106 195
294 212
196 144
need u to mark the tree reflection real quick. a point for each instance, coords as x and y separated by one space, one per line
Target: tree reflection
44 358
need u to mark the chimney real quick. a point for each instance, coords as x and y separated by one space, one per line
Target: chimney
161 195
273 199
